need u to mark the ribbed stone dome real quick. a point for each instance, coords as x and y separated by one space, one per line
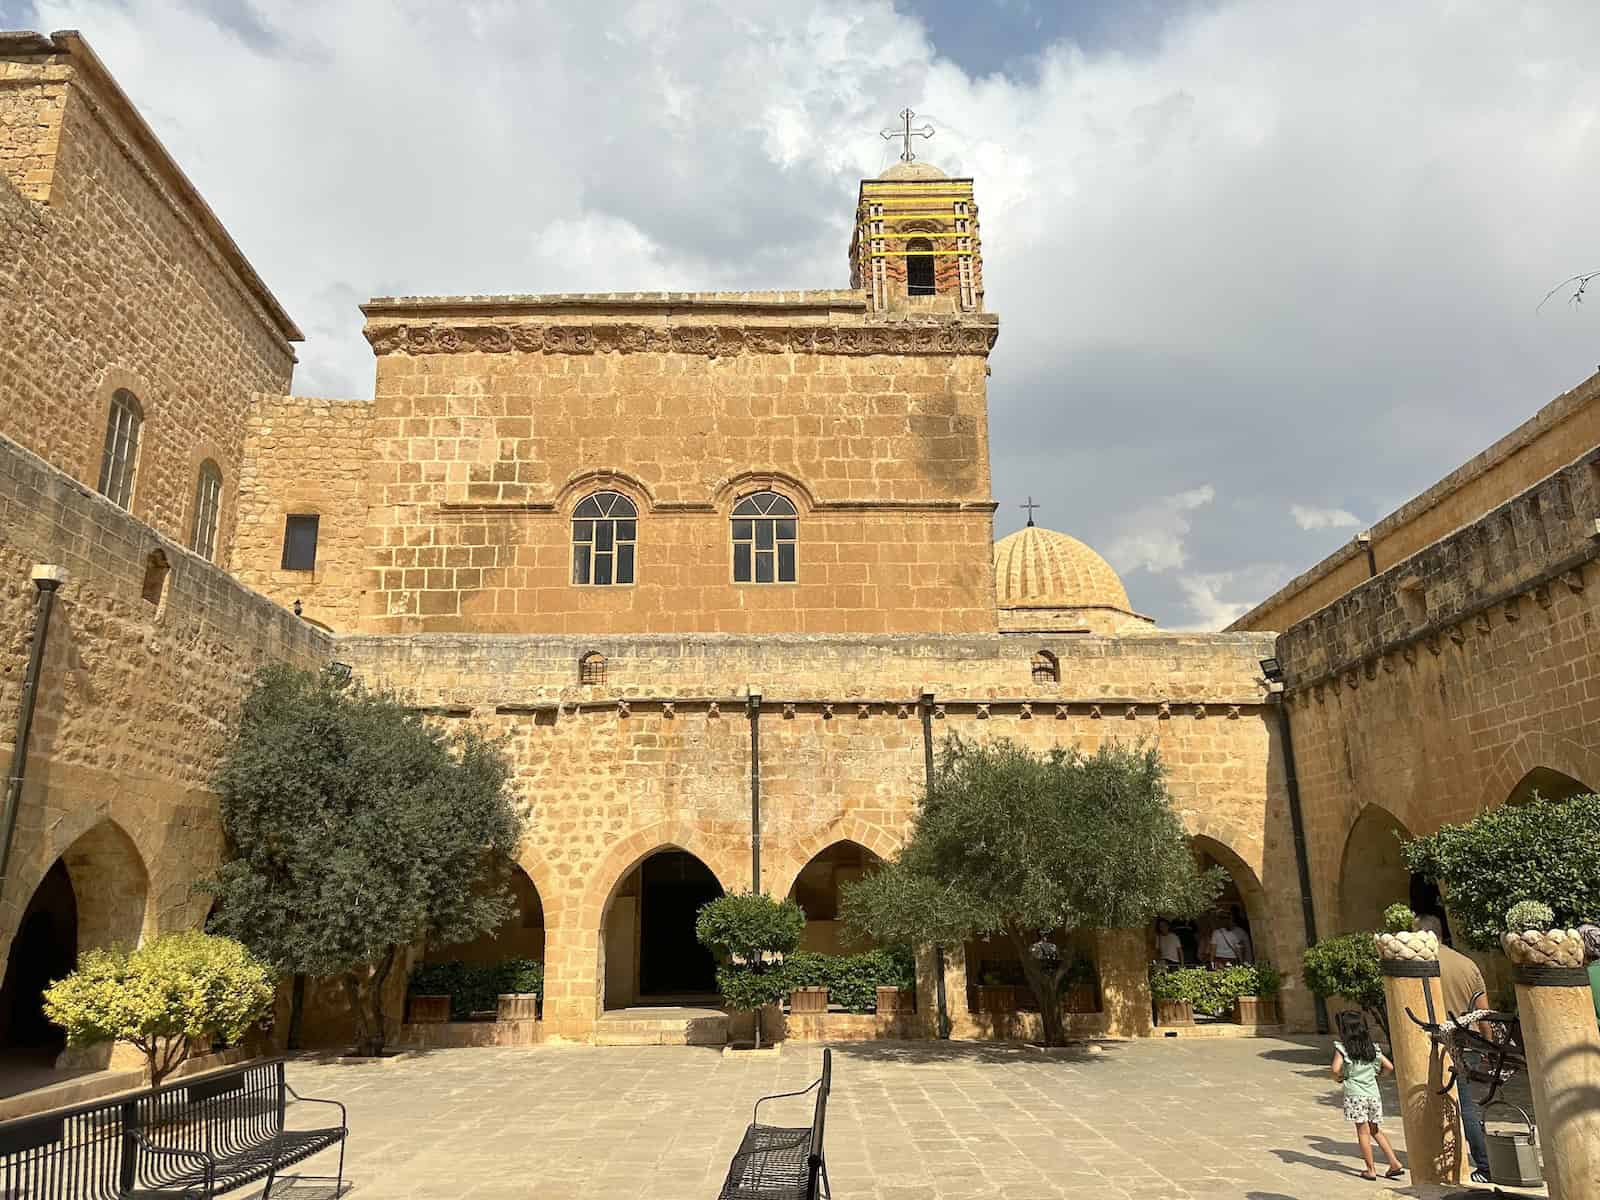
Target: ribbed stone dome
1040 568
915 169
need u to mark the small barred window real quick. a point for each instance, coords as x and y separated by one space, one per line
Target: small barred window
592 668
1045 668
121 454
919 267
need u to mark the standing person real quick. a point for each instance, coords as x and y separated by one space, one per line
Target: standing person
1168 948
1463 990
1357 1063
1230 944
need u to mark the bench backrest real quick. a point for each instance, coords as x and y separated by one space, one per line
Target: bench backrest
89 1151
819 1121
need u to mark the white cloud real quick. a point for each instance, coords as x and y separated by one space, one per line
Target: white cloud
1216 599
1323 518
1153 535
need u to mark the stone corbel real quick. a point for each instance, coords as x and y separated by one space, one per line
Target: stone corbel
1409 653
1352 679
1432 643
863 710
713 711
668 710
1233 712
1458 635
938 712
983 712
788 712
1164 713
1541 594
1027 712
1481 624
1513 609
1132 714
902 711
1199 712
622 708
827 711
1573 579
1094 711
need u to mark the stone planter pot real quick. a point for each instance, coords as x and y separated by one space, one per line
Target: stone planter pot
430 1010
1081 998
1544 948
1419 946
808 1000
1255 1010
997 998
518 1006
892 1000
1174 1012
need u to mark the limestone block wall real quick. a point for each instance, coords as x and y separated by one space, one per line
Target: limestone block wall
1427 694
122 279
305 455
134 703
485 437
659 754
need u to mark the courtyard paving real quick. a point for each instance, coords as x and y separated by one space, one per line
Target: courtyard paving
1257 1119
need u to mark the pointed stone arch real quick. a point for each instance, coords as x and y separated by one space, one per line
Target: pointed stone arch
1246 891
1372 875
786 869
1538 750
816 888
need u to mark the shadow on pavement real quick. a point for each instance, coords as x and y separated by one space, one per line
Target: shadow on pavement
975 1052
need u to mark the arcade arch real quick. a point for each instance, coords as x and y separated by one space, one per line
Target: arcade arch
1373 875
521 935
649 953
1241 892
1546 783
817 887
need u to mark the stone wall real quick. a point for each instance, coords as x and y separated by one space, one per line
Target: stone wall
1430 692
136 695
659 754
1552 437
124 254
305 455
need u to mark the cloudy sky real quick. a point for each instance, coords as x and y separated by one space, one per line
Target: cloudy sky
1265 268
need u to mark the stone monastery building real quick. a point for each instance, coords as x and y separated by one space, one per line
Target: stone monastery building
721 565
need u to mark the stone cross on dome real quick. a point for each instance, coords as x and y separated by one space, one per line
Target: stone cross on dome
1029 506
907 133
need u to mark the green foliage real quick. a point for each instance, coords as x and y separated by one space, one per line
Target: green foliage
476 987
747 927
355 828
1547 851
1269 982
1020 844
1346 966
744 989
1398 918
852 980
1213 992
174 992
1529 914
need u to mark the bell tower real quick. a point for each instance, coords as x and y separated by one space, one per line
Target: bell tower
915 246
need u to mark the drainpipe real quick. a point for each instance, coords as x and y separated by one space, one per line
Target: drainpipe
1302 861
1364 540
927 777
47 579
753 707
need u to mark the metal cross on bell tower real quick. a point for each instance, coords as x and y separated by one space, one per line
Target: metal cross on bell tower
906 133
1030 506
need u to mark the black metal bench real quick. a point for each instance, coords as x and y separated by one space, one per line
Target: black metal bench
182 1141
778 1162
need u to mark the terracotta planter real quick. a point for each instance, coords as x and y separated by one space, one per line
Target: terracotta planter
808 1000
1544 948
893 1000
518 1006
430 1010
1080 998
997 998
1255 1010
1174 1012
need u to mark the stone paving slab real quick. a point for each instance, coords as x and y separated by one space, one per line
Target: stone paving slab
1159 1120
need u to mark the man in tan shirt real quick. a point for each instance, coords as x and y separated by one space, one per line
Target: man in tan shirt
1462 990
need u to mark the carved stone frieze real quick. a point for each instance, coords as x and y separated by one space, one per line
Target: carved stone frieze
937 337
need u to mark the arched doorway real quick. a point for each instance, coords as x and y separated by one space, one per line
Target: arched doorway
521 935
817 888
1546 783
1373 875
92 897
1241 899
651 953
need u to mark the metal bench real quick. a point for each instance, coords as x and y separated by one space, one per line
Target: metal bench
190 1140
779 1162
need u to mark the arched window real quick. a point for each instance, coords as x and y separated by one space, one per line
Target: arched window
122 447
592 668
1045 668
763 539
605 527
919 267
207 504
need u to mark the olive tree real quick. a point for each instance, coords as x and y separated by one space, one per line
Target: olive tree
1031 846
357 829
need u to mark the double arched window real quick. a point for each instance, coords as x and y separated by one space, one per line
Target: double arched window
121 453
207 506
605 531
764 539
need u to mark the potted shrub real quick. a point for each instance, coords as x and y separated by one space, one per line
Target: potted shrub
1257 1003
522 981
1080 987
807 980
434 992
751 934
1171 992
1399 942
1347 966
428 1009
808 1000
894 976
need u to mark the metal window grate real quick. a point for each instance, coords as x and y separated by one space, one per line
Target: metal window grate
919 268
1045 668
764 539
592 668
605 534
121 449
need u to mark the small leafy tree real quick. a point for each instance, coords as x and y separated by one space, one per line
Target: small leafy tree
357 830
1347 966
1030 846
750 933
1547 851
176 992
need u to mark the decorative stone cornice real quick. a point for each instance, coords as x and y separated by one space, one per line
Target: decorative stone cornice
961 336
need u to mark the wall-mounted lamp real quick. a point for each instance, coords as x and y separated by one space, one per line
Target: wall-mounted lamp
1272 669
340 671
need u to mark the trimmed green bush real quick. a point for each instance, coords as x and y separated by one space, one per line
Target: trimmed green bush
1346 966
750 933
1213 992
476 987
1547 851
1529 914
1398 918
852 980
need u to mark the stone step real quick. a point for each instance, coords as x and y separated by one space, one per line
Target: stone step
662 1027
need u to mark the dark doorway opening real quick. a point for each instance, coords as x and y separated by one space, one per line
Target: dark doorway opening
919 267
44 950
673 886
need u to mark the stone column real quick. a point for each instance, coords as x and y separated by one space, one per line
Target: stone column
1434 1146
955 992
1122 956
1563 1045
